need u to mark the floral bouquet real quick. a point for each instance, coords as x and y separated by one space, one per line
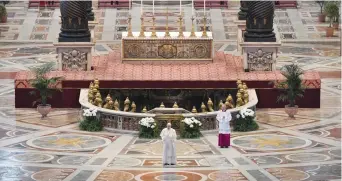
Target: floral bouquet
191 128
245 121
148 128
90 121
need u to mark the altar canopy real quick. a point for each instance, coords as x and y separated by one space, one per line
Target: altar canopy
161 48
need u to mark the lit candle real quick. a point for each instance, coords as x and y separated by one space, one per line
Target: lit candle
180 7
141 8
192 7
204 8
129 4
153 7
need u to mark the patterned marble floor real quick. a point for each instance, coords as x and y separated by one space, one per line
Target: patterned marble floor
308 148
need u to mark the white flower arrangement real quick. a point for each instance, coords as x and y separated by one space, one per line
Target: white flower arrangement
89 112
148 122
244 113
191 121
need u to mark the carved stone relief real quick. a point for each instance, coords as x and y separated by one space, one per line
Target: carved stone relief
74 60
260 60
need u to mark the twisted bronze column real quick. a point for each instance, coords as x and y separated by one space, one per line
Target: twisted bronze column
259 22
74 22
90 13
243 10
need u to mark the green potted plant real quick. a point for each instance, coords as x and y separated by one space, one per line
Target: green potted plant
292 88
321 16
332 11
3 13
336 22
44 85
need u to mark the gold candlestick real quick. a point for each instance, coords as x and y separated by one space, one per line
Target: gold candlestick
142 31
130 34
204 34
180 34
154 34
192 27
167 33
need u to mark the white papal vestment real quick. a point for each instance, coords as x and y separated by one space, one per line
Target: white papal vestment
169 149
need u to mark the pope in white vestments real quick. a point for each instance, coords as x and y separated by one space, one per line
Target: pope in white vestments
224 117
169 136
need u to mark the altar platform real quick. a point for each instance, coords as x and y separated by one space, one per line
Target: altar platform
221 73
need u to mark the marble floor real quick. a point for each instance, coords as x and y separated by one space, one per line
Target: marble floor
307 148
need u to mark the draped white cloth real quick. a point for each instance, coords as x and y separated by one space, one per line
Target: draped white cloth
169 149
224 118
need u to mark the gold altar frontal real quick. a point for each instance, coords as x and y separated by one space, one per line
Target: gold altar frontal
163 48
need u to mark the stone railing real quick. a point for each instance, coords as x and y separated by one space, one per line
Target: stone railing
129 121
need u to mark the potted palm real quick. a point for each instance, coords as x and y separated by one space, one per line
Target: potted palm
336 22
3 13
291 89
321 16
44 85
332 11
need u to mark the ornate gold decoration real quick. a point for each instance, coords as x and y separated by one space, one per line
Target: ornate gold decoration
167 51
108 98
144 110
203 107
239 101
154 34
240 86
220 104
126 103
175 105
210 105
229 102
91 85
116 105
129 34
98 102
194 110
238 82
246 97
98 95
167 33
134 107
180 34
244 86
162 105
193 34
142 28
204 34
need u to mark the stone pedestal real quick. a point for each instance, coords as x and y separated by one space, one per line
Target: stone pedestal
241 24
74 56
91 25
260 56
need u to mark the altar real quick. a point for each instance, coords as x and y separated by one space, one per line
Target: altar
167 48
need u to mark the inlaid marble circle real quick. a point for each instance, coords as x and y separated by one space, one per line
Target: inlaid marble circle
215 162
171 175
307 157
128 162
270 142
69 142
115 175
73 160
31 157
265 160
288 174
227 175
52 174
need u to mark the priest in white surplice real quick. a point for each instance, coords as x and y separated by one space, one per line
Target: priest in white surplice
224 117
169 136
